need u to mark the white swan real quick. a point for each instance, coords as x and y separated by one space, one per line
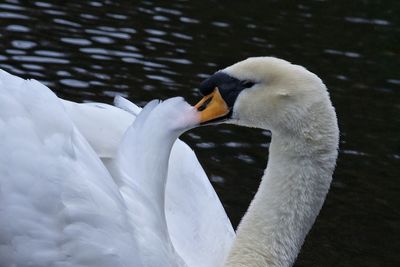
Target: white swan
294 104
259 92
59 205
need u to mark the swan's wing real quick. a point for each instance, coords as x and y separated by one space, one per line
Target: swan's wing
58 204
199 227
127 105
101 124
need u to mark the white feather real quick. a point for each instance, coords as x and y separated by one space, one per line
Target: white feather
59 205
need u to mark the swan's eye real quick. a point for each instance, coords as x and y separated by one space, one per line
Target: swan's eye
247 84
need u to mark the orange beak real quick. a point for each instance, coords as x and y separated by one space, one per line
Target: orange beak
212 106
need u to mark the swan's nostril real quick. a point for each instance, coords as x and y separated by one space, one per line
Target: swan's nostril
212 107
204 105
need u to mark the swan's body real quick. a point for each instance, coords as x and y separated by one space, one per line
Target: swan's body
259 92
59 205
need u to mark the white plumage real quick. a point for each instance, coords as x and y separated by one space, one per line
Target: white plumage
60 205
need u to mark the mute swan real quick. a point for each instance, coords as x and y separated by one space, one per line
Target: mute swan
294 104
59 205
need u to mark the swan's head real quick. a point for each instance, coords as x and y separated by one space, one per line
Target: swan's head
263 92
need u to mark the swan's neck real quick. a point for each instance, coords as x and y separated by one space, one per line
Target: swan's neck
287 202
144 177
141 169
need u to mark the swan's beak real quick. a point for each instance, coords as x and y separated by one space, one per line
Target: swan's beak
212 107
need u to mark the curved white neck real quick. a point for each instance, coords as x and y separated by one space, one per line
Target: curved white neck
288 200
141 169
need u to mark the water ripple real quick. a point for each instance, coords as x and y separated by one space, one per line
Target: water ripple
22 44
343 53
175 60
169 11
160 18
160 78
159 41
40 59
102 51
49 53
42 4
67 23
117 16
11 7
102 39
116 34
32 67
359 20
15 52
220 24
9 15
74 83
63 73
182 36
205 145
54 12
155 32
89 16
189 20
17 28
76 41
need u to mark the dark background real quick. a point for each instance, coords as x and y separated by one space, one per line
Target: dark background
91 51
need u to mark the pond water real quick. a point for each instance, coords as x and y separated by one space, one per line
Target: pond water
92 51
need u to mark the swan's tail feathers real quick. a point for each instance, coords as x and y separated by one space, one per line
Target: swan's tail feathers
126 105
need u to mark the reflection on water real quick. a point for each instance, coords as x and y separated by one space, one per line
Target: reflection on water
91 51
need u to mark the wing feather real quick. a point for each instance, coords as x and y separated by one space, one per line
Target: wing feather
58 204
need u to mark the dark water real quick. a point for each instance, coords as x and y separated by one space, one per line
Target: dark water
158 49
